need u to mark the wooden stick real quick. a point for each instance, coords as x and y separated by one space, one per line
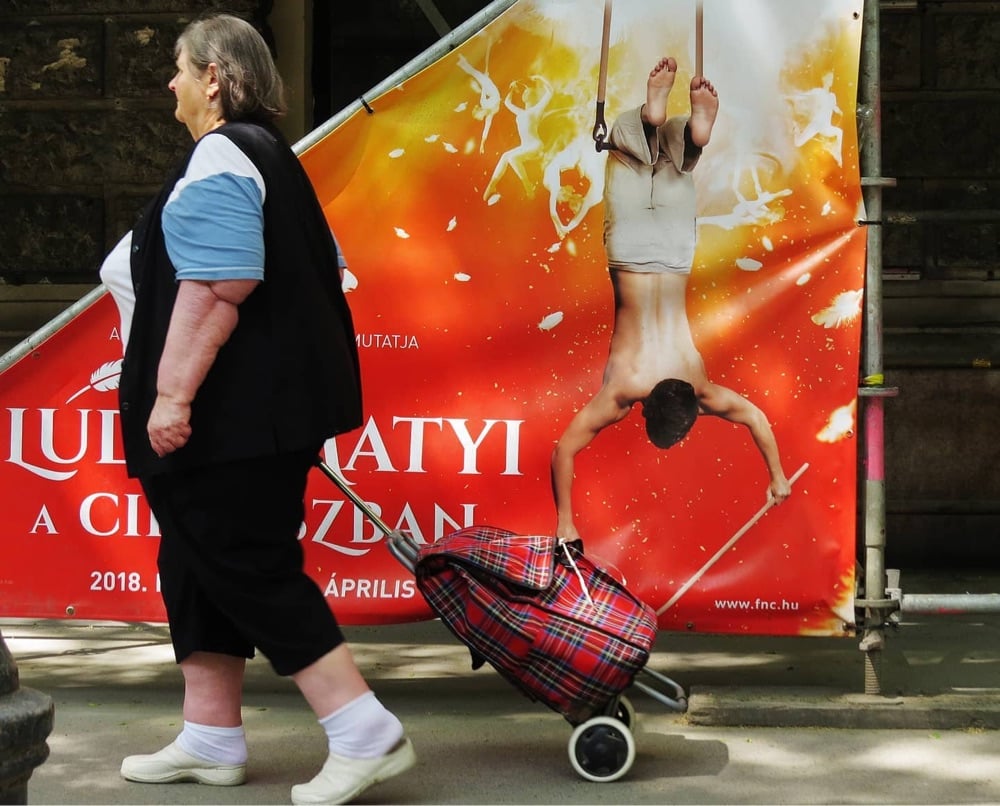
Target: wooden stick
732 542
699 38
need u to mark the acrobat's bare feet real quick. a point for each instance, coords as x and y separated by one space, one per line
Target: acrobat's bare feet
704 109
658 86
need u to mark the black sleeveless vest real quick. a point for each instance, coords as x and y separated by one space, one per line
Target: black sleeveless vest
288 377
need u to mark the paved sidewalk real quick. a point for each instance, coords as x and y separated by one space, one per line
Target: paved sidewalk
117 691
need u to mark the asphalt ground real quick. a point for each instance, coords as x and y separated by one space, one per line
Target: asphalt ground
769 720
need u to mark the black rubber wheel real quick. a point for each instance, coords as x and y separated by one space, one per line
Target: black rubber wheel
602 749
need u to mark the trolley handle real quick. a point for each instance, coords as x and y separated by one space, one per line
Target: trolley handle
401 546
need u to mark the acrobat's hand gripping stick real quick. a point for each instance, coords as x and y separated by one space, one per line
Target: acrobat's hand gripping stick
729 544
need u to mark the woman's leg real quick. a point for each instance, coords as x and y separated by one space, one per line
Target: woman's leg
213 689
331 682
365 740
211 749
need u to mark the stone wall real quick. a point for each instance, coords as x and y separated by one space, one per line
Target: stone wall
940 66
86 126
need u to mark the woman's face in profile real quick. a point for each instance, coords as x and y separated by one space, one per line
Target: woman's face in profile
187 87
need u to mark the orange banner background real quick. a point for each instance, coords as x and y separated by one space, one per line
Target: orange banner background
484 313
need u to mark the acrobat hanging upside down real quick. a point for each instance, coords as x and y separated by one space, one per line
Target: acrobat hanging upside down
649 210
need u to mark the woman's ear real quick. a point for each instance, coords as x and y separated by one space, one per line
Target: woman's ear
212 82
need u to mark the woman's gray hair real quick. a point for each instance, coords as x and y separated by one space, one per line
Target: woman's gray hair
250 87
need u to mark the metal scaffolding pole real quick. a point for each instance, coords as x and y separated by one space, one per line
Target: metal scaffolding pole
873 390
949 603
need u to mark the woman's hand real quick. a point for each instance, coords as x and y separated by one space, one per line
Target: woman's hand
169 425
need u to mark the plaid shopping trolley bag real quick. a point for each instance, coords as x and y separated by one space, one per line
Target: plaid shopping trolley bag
553 623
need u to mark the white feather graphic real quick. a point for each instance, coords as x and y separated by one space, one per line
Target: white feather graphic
845 308
551 321
103 379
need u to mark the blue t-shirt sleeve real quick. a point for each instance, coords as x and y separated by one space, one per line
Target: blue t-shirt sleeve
341 260
213 224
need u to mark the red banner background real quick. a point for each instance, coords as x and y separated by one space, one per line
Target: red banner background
484 316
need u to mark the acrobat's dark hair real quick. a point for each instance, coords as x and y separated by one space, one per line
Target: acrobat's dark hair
670 410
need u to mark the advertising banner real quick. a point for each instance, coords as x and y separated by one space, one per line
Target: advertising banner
509 371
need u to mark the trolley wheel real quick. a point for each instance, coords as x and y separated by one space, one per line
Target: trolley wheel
602 749
625 712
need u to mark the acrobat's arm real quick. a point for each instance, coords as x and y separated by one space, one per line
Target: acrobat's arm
722 402
600 412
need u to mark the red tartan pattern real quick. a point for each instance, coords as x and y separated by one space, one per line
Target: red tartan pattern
525 561
513 601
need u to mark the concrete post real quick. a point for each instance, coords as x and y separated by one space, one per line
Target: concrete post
25 723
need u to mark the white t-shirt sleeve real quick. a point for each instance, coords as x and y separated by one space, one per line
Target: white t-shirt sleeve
116 274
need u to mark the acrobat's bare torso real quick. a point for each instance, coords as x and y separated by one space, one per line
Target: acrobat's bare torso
652 337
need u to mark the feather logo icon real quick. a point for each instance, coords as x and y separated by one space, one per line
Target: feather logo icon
103 379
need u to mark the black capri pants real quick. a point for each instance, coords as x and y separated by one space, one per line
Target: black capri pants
231 566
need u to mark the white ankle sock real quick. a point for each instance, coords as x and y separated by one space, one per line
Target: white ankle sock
211 743
362 729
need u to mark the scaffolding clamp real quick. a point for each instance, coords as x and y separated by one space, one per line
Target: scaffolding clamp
874 386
